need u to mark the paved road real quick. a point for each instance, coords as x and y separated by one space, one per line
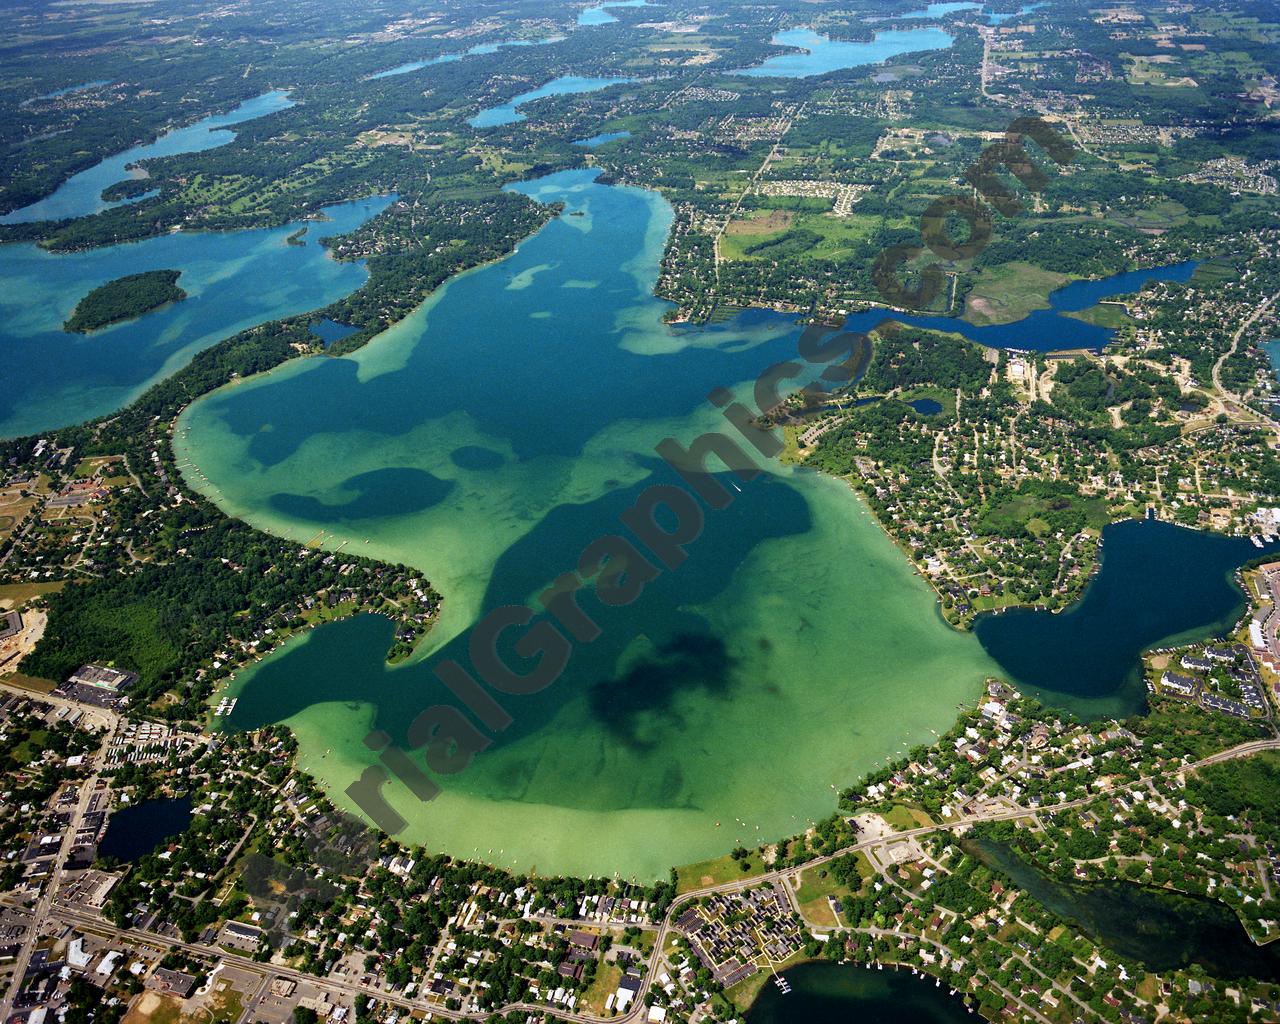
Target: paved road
46 911
41 913
1235 343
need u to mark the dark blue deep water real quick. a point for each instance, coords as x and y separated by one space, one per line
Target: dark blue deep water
1158 582
135 831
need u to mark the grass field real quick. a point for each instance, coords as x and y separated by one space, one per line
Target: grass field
1104 314
154 1008
1160 216
1029 512
905 818
605 983
713 872
817 884
838 237
943 396
24 682
760 224
14 594
1001 295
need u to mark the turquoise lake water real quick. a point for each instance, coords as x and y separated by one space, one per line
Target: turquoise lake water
566 85
823 55
81 194
826 993
447 58
1272 349
233 280
488 439
599 15
491 435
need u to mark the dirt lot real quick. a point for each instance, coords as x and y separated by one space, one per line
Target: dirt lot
763 222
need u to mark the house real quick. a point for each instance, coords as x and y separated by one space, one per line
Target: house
1179 685
1195 664
628 989
10 625
584 940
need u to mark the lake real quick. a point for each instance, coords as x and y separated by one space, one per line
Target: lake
599 15
1162 930
233 279
135 831
827 993
81 194
997 19
941 10
485 440
601 139
1158 584
566 85
446 58
822 55
1044 330
97 83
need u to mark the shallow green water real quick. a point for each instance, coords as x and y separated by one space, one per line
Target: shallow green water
487 439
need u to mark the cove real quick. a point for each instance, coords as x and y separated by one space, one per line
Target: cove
234 280
996 18
97 83
942 9
488 438
827 993
446 58
601 139
822 55
1163 930
1158 583
81 194
1044 330
565 85
135 831
599 15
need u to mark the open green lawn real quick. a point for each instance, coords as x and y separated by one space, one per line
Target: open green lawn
945 397
1104 314
713 872
1003 294
905 818
817 884
21 593
606 982
1032 513
816 235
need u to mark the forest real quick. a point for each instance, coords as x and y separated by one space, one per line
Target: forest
125 298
